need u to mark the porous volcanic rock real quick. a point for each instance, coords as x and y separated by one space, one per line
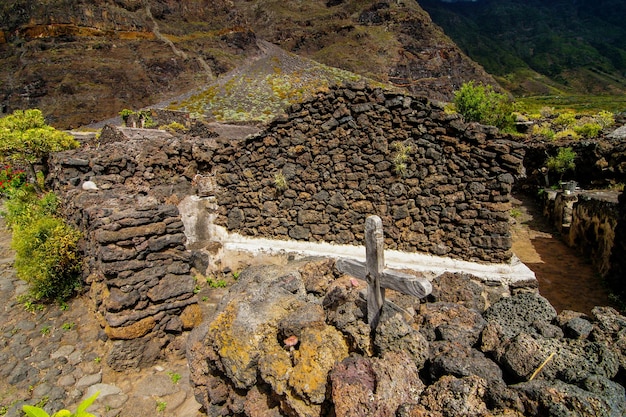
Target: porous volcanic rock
285 345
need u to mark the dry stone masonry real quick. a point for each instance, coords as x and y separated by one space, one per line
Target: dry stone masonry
137 263
440 185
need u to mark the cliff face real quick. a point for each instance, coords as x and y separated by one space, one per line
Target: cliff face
83 61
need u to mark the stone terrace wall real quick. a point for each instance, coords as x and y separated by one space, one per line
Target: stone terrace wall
137 262
338 153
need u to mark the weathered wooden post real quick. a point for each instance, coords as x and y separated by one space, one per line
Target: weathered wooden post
375 262
377 277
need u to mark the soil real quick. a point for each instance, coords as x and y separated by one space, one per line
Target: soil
566 278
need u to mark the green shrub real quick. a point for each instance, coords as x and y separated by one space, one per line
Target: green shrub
544 130
173 127
280 181
588 130
27 140
401 158
46 257
125 114
565 120
46 252
605 118
564 161
25 206
567 133
479 103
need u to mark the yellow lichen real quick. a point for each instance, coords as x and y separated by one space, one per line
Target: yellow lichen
320 349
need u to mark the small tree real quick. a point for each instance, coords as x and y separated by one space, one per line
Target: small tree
479 103
26 139
563 161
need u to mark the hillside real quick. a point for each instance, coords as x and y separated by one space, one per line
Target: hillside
537 47
262 87
83 61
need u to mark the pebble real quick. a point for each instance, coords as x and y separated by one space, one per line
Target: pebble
89 380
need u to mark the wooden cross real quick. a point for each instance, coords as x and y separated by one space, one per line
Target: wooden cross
377 277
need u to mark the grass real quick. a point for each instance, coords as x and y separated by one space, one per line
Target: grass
577 103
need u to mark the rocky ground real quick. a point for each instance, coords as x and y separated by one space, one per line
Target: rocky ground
55 357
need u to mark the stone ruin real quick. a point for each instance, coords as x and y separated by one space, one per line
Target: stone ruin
167 202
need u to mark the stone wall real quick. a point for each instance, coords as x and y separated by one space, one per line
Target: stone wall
587 220
137 264
440 185
599 162
616 278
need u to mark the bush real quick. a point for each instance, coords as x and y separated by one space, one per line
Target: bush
46 257
605 119
567 134
26 139
565 120
11 180
588 130
562 162
46 248
544 130
479 103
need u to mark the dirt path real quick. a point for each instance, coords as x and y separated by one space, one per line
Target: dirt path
565 277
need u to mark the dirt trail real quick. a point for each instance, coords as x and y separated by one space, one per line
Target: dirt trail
565 277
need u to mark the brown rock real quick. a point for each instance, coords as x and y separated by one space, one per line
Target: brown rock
374 386
132 331
191 316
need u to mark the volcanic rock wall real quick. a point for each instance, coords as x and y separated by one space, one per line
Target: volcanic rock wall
440 185
136 259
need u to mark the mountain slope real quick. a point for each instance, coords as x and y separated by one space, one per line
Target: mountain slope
82 61
542 47
261 88
389 41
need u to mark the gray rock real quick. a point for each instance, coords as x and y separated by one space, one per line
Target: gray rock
62 352
518 313
394 334
611 391
459 360
618 134
89 380
558 399
171 286
578 328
